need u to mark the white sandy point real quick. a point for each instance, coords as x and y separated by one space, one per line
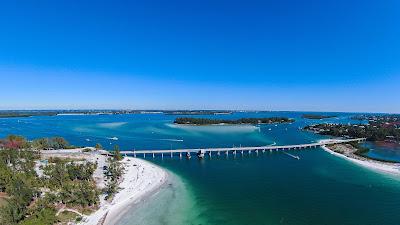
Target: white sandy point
392 169
138 181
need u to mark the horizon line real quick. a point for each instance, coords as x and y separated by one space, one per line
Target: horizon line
231 110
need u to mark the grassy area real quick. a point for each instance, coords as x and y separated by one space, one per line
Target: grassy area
87 210
66 217
3 201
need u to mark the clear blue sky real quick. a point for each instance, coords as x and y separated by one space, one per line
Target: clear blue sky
264 55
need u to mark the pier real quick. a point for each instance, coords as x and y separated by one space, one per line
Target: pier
201 152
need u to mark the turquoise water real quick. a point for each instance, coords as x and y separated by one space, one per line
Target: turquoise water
272 188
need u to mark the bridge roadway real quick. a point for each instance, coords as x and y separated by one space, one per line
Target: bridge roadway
241 149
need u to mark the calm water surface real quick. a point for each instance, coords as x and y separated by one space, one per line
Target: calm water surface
271 188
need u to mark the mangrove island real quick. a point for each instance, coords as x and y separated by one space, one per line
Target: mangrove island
206 121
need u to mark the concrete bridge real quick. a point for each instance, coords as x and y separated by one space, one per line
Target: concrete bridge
200 152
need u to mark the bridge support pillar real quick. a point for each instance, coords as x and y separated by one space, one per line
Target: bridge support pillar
153 155
263 150
218 153
180 155
144 155
242 152
134 154
227 153
171 154
249 152
209 154
162 155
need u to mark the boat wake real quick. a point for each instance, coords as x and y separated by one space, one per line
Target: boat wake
175 140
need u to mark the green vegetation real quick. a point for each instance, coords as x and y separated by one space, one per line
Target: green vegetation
379 128
360 149
51 143
33 200
117 153
68 217
45 216
197 112
3 201
206 121
10 114
371 132
17 178
87 150
317 117
113 172
98 146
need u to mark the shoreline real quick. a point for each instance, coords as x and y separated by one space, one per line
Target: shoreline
141 180
368 163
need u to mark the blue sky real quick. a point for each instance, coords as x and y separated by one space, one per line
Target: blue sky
262 55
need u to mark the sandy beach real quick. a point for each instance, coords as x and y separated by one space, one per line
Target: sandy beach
392 168
141 178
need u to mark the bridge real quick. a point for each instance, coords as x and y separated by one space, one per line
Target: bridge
200 152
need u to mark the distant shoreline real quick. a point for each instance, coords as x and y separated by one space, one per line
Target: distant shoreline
317 116
242 121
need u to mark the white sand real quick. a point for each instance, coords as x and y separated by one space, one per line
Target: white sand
370 164
140 179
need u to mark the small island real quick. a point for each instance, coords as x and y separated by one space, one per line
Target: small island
198 112
207 121
23 113
317 117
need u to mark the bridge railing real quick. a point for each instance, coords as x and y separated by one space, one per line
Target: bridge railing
282 147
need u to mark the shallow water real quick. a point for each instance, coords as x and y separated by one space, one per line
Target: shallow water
267 189
172 205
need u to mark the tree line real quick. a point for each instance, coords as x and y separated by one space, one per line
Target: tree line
372 133
31 199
